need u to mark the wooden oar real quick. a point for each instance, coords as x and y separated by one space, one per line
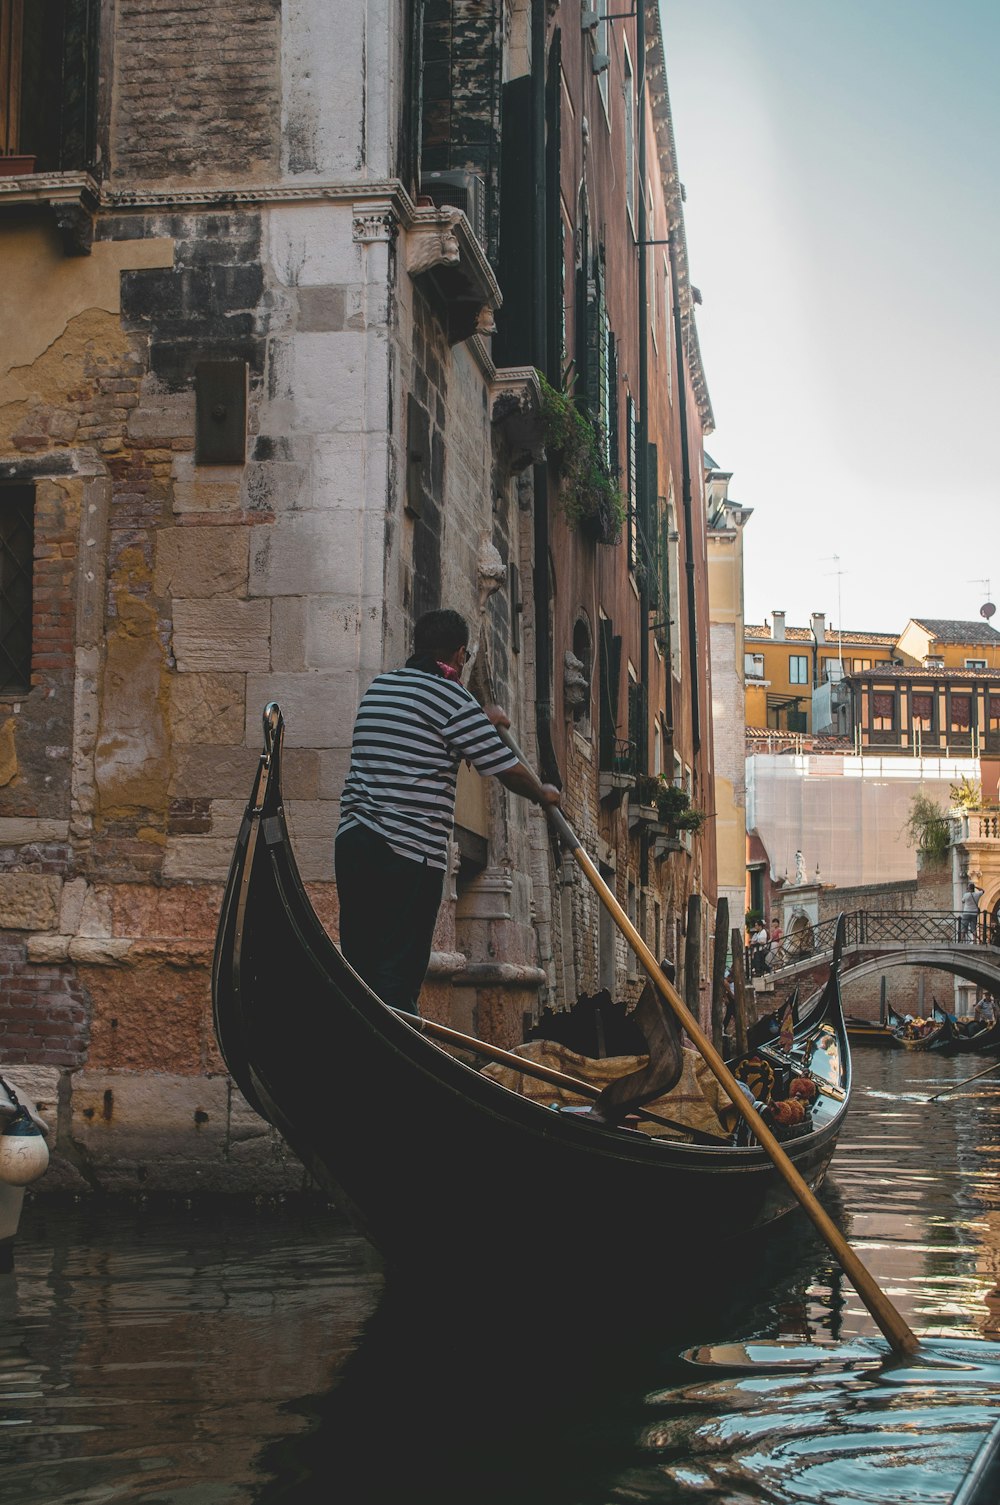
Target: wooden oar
893 1326
955 1085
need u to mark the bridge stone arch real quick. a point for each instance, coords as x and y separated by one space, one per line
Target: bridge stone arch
980 968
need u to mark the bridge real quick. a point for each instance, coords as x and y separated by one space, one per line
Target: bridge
966 946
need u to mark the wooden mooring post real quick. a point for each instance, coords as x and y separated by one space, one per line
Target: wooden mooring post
740 993
719 972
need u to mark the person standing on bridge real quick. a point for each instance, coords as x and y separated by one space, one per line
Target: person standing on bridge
970 911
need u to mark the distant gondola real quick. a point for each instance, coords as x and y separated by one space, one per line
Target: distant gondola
972 1034
921 1034
448 1172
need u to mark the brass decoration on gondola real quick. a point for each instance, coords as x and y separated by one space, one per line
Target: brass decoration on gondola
758 1075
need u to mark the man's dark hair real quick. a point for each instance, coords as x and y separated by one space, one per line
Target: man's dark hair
441 633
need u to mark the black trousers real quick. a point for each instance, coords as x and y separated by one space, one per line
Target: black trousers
388 906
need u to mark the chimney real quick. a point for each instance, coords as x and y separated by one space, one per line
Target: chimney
819 626
778 627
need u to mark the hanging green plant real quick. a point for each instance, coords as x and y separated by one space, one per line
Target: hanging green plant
675 808
588 497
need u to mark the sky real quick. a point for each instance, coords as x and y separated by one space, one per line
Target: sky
841 161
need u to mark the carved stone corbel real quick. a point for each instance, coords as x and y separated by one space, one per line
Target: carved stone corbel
515 413
433 243
76 228
491 570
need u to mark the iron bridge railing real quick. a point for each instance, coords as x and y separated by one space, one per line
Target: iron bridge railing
871 929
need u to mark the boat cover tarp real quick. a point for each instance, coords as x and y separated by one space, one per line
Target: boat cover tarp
698 1101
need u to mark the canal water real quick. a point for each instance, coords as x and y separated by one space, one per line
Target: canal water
196 1356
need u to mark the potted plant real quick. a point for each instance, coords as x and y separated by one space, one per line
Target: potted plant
675 809
16 163
589 497
643 808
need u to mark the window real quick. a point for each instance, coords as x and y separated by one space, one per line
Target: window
632 477
961 712
628 97
653 310
583 652
600 63
833 669
668 342
48 82
637 723
674 585
17 548
975 663
883 710
993 711
600 360
798 669
922 710
753 665
859 665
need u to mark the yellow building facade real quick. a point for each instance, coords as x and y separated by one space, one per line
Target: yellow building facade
783 664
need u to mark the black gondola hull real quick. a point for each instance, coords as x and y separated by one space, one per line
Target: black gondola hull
444 1169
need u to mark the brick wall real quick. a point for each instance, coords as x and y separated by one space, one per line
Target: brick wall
196 90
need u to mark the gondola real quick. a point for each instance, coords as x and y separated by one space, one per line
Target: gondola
449 1173
971 1034
921 1034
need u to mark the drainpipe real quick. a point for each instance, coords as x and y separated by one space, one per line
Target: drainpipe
538 838
549 768
692 616
642 470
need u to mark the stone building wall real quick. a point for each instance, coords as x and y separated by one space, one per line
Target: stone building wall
198 89
247 216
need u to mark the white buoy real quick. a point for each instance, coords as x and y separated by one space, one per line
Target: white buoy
24 1155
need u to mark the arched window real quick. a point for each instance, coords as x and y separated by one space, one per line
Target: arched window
583 652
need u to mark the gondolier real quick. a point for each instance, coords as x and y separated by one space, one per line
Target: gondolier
413 728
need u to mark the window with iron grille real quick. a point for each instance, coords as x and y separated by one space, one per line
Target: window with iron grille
17 547
632 477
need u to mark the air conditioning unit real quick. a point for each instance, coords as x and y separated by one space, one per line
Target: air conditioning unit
459 190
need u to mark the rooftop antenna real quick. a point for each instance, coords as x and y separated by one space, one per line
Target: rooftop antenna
987 610
840 622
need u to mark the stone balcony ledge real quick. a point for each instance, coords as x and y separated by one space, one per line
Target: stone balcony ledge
71 198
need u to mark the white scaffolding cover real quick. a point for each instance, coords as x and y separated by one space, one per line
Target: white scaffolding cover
846 815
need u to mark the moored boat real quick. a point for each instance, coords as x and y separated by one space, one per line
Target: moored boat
24 1156
447 1171
921 1034
970 1032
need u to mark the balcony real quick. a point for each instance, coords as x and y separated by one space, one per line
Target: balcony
976 829
619 779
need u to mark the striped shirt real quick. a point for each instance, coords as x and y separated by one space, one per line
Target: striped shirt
412 731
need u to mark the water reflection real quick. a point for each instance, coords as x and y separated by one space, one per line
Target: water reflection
198 1360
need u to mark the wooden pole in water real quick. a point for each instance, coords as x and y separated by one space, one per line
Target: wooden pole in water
740 993
692 955
890 1322
719 971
